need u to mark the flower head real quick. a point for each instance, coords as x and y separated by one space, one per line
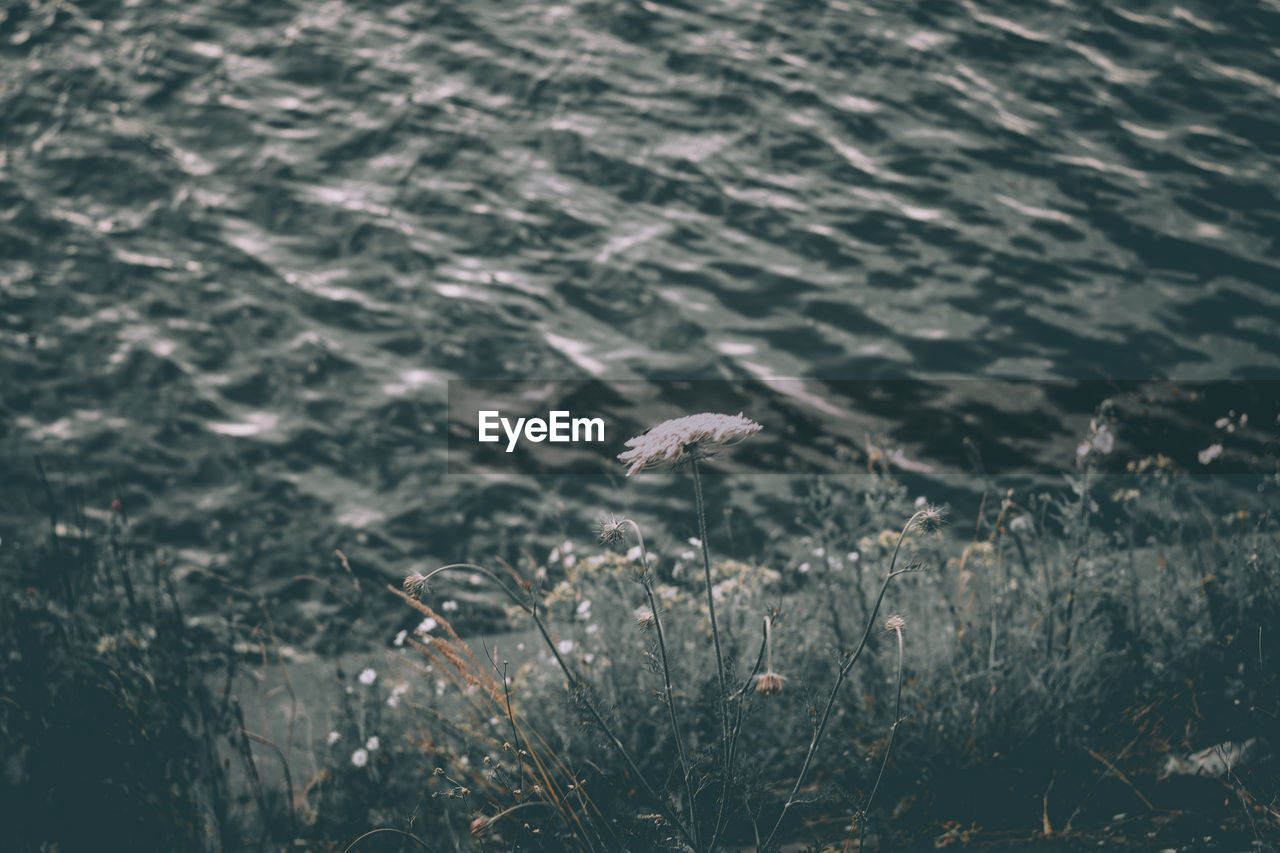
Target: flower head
769 683
480 826
929 519
609 527
368 676
360 758
895 623
675 440
415 585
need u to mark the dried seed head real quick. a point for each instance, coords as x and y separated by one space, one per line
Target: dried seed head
769 683
609 527
480 826
895 623
929 519
415 585
681 438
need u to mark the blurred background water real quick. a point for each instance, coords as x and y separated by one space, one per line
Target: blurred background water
245 244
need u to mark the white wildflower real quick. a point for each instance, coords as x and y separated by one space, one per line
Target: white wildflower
426 626
1209 454
584 609
333 738
804 567
634 553
400 638
368 676
1101 439
592 628
372 743
561 553
449 606
1104 441
564 646
673 440
360 758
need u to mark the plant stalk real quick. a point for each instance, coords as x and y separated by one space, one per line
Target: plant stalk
840 677
685 768
576 682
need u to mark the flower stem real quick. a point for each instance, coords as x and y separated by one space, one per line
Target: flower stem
711 602
576 682
840 677
715 637
893 730
740 696
685 768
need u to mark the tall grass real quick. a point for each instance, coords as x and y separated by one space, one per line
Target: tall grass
1065 646
1050 655
110 732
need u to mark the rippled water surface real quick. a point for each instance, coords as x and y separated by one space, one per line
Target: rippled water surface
244 245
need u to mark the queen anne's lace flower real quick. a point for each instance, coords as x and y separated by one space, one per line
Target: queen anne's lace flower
674 440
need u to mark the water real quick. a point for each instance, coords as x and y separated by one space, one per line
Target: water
246 244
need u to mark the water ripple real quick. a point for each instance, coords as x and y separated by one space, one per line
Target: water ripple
247 244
